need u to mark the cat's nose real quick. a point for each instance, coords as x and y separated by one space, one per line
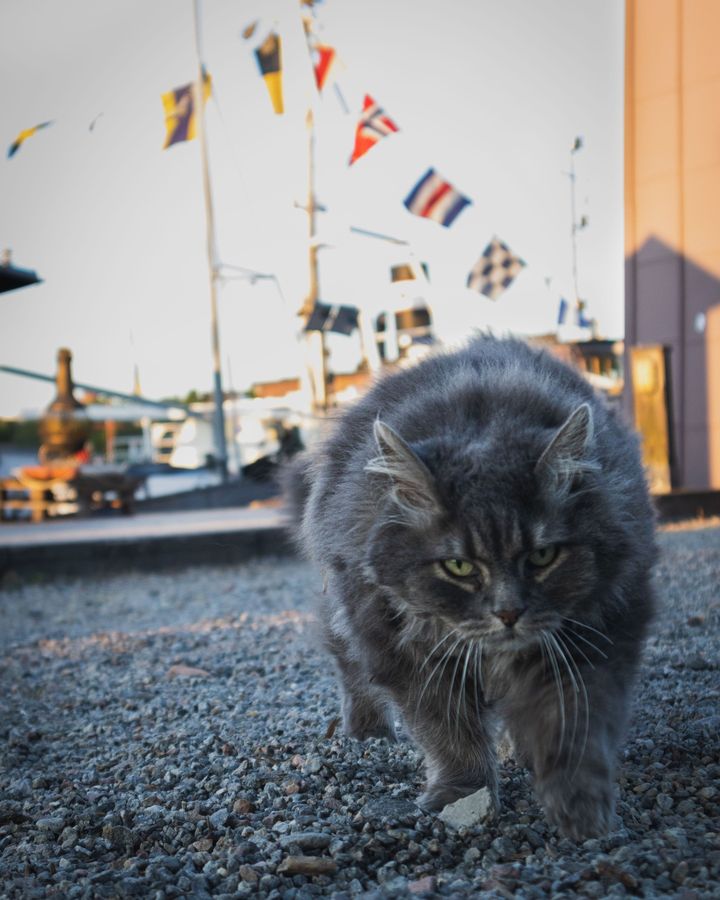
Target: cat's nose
508 616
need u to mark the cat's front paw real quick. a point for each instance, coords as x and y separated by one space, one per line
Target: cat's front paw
364 719
581 814
364 732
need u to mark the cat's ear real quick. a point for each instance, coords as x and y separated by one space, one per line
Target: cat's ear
568 454
412 484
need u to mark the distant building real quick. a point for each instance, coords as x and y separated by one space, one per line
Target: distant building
598 359
338 382
672 223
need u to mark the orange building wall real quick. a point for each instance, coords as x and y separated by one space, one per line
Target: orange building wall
672 221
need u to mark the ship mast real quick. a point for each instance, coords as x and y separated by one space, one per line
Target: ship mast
214 269
315 340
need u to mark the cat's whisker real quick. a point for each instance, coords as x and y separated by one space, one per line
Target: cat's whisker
441 662
586 706
564 632
478 680
589 628
580 637
450 695
560 691
461 701
435 649
479 664
562 655
448 657
558 687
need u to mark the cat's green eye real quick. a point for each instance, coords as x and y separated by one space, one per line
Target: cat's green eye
459 568
543 556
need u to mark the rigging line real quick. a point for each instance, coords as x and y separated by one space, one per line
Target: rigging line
248 277
365 232
234 155
250 273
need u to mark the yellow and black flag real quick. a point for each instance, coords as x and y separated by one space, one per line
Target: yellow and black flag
23 136
179 106
269 58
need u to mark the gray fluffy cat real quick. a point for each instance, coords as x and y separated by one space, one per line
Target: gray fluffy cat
486 537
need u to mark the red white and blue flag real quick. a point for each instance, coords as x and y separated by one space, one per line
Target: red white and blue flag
374 124
436 199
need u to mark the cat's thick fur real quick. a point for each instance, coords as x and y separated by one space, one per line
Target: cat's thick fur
501 459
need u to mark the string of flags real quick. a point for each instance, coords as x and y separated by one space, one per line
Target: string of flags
432 197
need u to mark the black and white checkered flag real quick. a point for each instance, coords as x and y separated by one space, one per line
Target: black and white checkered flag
496 269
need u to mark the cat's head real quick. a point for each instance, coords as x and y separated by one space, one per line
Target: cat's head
493 539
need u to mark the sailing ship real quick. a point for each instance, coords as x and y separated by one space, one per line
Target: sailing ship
221 432
398 335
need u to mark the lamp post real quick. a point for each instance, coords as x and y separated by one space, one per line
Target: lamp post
577 225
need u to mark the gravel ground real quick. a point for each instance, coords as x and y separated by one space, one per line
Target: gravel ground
174 735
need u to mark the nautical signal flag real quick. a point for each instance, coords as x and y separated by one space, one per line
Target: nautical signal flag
249 30
23 136
582 321
374 124
341 319
436 199
496 269
323 57
269 58
562 311
179 106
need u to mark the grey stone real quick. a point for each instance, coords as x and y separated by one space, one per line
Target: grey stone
388 808
50 823
219 818
470 810
306 840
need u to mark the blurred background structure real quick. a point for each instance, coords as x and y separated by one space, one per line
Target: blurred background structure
255 279
672 235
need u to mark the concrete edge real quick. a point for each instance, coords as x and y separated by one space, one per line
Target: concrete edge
88 558
167 552
687 504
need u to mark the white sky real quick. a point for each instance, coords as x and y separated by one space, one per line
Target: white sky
489 93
